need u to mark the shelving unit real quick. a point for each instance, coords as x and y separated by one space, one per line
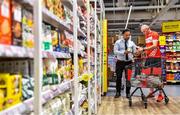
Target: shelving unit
172 64
46 90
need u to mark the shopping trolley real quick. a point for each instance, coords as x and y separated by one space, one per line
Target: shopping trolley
146 73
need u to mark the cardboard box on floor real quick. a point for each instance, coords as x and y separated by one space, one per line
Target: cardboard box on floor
141 40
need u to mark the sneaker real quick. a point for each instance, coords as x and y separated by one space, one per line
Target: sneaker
122 88
150 95
160 98
128 96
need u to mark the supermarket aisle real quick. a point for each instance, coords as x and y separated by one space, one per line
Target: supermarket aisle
119 106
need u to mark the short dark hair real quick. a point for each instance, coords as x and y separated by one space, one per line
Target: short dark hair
126 30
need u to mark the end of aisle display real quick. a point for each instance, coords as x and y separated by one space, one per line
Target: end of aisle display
170 42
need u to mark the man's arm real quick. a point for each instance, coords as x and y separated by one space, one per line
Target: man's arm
155 44
116 49
155 38
134 47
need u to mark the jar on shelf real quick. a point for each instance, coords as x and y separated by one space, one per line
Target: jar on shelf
172 66
177 66
167 67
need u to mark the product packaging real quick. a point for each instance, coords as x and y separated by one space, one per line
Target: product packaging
16 23
13 88
5 22
27 29
47 39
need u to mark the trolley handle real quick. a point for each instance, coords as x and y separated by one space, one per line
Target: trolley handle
155 57
143 66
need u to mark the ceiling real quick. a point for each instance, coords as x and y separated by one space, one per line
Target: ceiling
151 12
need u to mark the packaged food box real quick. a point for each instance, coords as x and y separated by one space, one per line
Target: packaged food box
47 39
16 23
11 87
5 22
27 29
55 38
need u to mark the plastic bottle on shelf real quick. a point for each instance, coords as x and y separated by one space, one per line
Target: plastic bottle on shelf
174 37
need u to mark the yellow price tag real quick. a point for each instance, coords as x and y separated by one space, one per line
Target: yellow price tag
162 40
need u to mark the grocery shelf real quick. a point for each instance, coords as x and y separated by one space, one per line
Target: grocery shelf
85 60
81 16
19 108
173 50
84 43
44 94
27 105
92 46
56 90
81 33
173 81
174 55
80 113
82 99
49 54
173 45
170 40
173 61
52 19
92 106
15 51
174 71
81 3
68 3
29 2
84 90
81 53
92 64
22 52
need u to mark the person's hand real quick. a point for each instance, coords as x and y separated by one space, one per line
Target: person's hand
140 49
127 52
138 53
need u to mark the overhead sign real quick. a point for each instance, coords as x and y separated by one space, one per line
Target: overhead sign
173 26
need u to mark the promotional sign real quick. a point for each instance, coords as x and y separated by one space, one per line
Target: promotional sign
173 26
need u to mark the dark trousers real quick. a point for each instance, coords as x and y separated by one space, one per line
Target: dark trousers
120 67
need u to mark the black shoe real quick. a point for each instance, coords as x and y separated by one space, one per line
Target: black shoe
117 95
127 95
122 88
